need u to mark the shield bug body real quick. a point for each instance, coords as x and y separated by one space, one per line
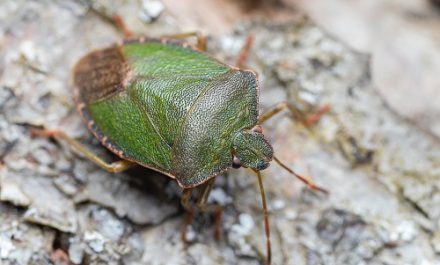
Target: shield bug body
168 106
171 108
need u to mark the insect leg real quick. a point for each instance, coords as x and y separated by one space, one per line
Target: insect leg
278 108
203 194
201 39
120 24
308 121
204 191
80 149
314 118
244 52
202 200
186 197
185 201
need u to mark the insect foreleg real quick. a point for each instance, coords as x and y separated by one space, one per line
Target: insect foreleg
201 205
307 120
202 200
278 108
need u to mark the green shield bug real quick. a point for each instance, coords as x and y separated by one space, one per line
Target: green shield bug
168 106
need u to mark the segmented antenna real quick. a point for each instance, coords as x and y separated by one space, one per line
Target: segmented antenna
266 218
306 180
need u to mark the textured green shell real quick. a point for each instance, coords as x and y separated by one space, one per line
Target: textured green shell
166 106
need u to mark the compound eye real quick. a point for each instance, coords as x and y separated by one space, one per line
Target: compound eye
236 163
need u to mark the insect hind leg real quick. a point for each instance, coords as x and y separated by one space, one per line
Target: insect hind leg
115 167
201 39
120 24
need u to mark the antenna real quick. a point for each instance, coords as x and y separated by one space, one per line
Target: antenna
266 218
306 180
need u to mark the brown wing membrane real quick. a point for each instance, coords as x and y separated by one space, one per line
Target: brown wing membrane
100 74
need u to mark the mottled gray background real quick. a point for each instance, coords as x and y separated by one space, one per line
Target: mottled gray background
378 151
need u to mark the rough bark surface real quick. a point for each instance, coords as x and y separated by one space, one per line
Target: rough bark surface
55 207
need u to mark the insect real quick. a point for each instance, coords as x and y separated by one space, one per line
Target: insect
168 106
